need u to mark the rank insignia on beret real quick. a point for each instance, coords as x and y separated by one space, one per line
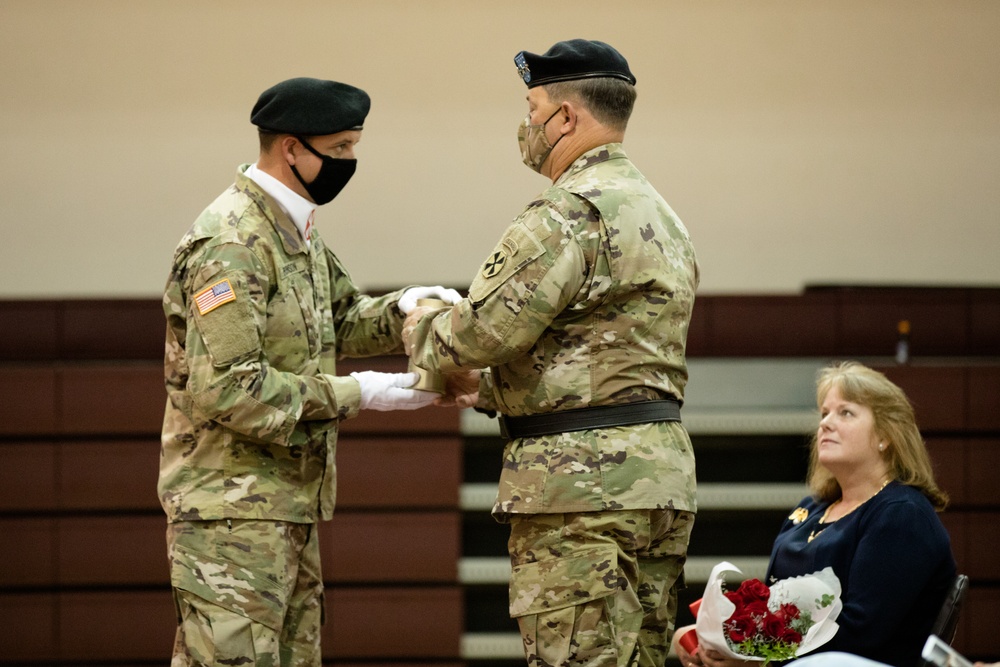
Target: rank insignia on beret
572 60
522 67
494 264
214 296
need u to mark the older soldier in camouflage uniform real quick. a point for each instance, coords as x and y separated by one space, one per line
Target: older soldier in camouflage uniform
258 310
581 314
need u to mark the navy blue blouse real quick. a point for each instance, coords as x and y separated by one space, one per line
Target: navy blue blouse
894 561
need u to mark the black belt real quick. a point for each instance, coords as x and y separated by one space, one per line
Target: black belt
584 419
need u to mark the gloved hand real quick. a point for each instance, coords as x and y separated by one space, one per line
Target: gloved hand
389 391
408 301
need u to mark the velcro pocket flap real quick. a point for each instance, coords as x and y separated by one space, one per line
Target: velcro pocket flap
557 583
517 248
235 588
228 329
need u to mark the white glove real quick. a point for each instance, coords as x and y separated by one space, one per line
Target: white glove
408 301
390 391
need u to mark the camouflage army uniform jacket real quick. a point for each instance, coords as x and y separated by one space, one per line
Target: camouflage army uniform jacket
585 301
255 322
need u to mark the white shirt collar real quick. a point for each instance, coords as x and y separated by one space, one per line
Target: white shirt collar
296 207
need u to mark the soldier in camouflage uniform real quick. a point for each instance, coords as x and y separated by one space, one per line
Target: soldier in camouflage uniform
583 307
258 310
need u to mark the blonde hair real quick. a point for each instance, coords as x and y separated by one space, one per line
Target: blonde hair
905 454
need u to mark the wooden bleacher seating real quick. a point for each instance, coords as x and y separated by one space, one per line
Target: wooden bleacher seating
81 401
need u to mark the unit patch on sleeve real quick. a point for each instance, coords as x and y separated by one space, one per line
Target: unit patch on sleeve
494 264
214 296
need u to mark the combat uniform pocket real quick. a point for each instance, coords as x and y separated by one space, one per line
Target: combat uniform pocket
517 248
558 583
227 585
307 307
226 321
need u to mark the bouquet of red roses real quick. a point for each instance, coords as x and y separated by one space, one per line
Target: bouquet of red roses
756 622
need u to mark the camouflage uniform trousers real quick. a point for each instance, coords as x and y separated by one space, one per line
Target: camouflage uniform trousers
597 588
247 593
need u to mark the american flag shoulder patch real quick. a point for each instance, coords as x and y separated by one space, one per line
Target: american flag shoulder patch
214 296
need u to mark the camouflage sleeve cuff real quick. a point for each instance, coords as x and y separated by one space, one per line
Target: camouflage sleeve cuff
371 326
348 394
487 399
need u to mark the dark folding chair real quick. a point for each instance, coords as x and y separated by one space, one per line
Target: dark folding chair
946 623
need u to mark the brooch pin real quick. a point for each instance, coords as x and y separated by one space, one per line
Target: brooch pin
799 515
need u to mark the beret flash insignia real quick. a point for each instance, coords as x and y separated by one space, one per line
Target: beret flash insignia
522 67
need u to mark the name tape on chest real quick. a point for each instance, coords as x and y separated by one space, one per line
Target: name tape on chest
214 296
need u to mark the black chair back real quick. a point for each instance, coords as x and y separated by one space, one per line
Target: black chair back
946 623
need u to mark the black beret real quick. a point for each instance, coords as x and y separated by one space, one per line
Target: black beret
310 107
573 59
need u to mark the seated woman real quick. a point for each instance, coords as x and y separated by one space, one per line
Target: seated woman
872 519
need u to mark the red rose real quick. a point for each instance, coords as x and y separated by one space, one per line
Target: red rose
754 589
756 607
790 636
788 612
773 626
740 627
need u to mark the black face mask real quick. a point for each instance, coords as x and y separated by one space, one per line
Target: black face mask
332 177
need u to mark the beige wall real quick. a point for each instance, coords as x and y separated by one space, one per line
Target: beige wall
801 141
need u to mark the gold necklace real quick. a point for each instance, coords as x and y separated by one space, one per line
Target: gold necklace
813 534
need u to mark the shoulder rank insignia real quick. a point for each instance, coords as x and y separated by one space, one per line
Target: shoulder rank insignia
799 515
494 264
214 296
